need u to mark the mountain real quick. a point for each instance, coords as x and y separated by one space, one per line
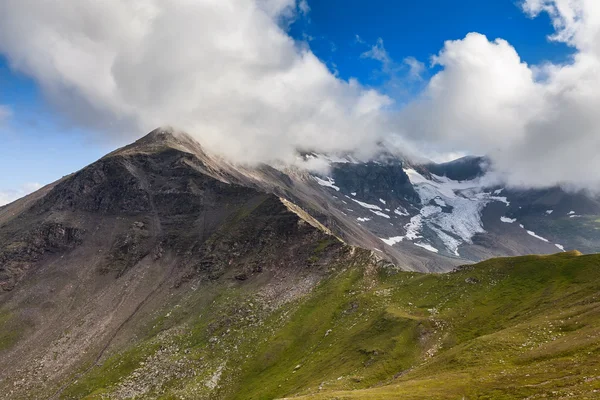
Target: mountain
458 210
163 271
88 263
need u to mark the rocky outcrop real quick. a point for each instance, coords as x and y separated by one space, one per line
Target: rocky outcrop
20 253
374 181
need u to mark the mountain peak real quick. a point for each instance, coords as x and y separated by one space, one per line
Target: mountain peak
160 134
160 139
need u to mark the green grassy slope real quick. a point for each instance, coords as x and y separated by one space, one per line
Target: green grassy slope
526 327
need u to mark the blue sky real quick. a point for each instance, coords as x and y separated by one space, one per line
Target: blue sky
40 145
37 144
419 29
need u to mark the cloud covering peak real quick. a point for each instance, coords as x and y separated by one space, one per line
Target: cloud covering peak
227 72
223 70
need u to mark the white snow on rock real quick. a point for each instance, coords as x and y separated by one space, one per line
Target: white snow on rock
508 220
353 193
328 183
333 159
380 214
489 197
440 202
393 240
450 241
427 246
561 247
367 205
382 201
371 207
549 212
466 200
401 211
571 212
531 233
497 192
361 219
575 216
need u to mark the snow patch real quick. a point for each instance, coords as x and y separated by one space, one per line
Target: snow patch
466 199
571 212
401 211
333 159
367 205
380 214
440 202
549 212
353 193
531 233
328 183
361 219
382 201
427 246
508 220
393 240
561 247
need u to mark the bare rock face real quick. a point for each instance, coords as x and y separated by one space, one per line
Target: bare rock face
19 255
111 185
373 181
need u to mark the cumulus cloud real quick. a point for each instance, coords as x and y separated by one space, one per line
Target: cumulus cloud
8 196
225 71
539 124
228 72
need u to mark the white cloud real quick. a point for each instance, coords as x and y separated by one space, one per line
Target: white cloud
223 70
379 53
539 124
415 68
304 7
577 22
227 72
8 196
